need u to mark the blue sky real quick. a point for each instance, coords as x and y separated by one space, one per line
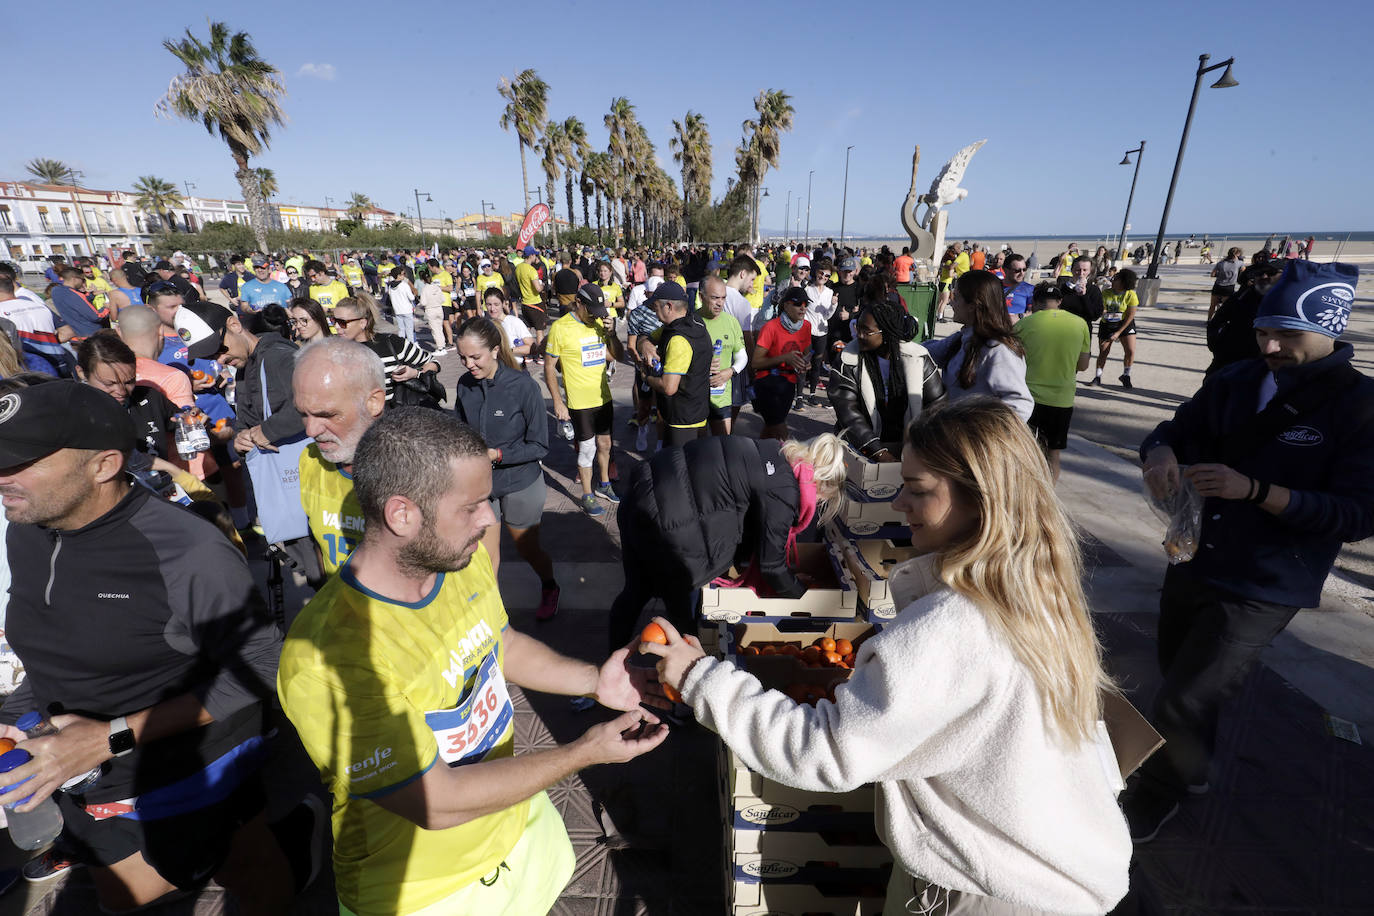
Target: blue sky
385 99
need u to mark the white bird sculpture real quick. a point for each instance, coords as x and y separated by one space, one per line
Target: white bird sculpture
945 190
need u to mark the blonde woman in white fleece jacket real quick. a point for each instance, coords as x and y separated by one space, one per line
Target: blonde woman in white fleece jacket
976 710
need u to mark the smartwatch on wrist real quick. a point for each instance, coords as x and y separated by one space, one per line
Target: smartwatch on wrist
121 737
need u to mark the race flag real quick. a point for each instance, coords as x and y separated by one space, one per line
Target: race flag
535 219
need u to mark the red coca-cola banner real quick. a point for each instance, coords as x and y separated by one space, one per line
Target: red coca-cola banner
535 219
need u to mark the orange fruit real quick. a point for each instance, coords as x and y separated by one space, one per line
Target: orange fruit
848 659
769 650
831 658
670 693
6 744
654 633
750 650
825 643
811 654
198 375
844 647
791 650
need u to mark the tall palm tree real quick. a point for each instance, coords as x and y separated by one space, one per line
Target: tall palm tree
691 146
596 172
527 108
153 195
774 108
620 122
267 182
53 171
574 153
230 89
551 154
643 168
358 205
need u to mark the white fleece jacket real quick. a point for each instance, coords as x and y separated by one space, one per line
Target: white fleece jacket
974 794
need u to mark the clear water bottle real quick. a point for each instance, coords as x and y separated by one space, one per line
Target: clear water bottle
34 725
186 449
565 429
716 350
200 436
29 829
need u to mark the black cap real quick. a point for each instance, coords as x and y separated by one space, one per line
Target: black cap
591 295
201 327
668 290
566 282
794 294
41 419
163 265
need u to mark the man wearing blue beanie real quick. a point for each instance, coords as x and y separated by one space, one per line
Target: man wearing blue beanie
1281 448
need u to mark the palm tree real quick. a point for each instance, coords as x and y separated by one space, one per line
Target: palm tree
551 150
358 206
228 88
692 150
596 172
574 154
527 108
775 112
267 182
620 122
153 195
53 171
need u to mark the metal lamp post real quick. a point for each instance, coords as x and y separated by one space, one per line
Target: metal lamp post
485 207
844 203
1225 82
807 240
787 216
420 220
1125 220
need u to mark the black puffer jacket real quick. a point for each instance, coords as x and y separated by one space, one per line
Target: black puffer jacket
854 390
714 503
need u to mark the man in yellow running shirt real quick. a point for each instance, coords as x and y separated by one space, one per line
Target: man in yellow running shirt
531 292
326 290
395 676
340 390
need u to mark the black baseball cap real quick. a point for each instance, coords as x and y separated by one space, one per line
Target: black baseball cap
201 327
591 295
668 290
794 294
41 419
163 265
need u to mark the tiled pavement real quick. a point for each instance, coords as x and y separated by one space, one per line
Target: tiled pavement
1288 827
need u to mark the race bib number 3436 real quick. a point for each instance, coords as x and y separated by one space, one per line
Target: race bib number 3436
468 732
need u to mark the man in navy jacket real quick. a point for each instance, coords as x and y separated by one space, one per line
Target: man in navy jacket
1282 449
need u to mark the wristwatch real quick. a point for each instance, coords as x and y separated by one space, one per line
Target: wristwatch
121 737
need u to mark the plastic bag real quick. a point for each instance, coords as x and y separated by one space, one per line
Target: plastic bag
1180 510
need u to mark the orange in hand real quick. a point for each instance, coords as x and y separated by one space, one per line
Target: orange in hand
6 745
654 633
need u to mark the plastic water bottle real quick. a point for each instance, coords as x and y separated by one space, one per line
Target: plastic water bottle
716 355
182 434
31 829
565 429
34 725
200 436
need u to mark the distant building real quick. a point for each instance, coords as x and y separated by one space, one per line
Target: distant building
43 219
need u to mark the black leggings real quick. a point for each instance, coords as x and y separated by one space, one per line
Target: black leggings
642 557
813 375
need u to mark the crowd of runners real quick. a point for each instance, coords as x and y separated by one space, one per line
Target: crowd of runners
161 425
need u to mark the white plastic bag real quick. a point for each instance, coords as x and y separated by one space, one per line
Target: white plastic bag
1180 508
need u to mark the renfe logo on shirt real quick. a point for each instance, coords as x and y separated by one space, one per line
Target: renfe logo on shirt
370 765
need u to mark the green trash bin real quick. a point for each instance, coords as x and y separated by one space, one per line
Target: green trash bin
919 299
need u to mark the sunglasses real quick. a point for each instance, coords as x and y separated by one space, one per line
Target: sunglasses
1016 270
302 322
344 322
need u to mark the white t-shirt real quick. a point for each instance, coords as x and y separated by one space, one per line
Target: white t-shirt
739 307
618 271
517 333
402 302
820 305
28 313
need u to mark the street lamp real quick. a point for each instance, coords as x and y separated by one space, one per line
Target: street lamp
485 207
798 228
759 227
844 203
1226 82
1125 220
787 216
420 220
807 240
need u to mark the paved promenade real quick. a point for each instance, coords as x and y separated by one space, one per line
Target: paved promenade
1288 827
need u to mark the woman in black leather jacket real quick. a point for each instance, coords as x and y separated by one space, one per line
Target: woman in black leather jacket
884 378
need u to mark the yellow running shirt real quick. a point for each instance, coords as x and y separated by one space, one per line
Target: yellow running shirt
331 507
581 352
615 297
484 281
329 295
379 692
525 277
353 275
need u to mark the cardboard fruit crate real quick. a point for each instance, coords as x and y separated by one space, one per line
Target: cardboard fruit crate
711 638
831 597
874 481
866 519
803 873
869 561
755 803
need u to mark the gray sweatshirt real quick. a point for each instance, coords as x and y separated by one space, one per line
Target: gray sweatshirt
1000 373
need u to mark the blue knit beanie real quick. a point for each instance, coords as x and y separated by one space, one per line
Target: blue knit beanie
1310 297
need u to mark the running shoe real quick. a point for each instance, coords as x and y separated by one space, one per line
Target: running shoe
1097 380
1126 382
606 492
47 866
548 604
591 506
798 404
